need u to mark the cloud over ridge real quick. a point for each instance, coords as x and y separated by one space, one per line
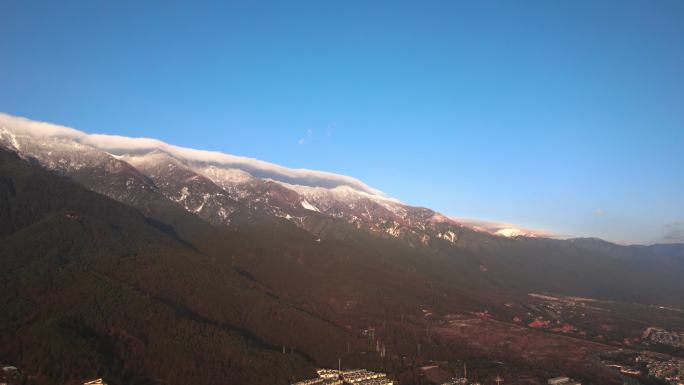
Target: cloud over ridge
505 229
120 145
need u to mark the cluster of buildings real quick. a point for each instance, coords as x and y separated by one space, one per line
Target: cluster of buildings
562 381
347 377
670 370
665 337
10 375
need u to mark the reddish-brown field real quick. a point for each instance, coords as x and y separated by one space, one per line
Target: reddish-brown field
528 356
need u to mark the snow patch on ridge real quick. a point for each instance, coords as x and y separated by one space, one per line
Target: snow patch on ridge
511 232
504 229
309 206
10 138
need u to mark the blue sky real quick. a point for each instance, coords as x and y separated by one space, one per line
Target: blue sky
559 115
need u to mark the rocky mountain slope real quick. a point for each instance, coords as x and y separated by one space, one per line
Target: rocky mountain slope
147 263
213 190
159 178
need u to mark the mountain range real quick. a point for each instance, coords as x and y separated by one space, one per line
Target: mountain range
144 262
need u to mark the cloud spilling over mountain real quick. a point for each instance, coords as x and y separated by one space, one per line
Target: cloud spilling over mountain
119 145
214 185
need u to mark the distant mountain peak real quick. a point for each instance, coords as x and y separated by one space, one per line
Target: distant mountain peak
514 232
504 229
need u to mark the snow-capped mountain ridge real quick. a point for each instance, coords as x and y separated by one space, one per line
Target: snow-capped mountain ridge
213 185
120 145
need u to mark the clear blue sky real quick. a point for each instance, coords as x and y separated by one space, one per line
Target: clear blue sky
537 113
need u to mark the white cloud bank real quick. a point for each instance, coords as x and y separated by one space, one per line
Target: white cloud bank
120 145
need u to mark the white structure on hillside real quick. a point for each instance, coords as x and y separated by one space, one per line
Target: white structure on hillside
98 381
562 381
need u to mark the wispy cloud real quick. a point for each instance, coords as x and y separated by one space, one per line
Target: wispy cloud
599 212
121 145
304 139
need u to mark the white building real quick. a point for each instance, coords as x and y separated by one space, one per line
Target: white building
98 381
562 381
